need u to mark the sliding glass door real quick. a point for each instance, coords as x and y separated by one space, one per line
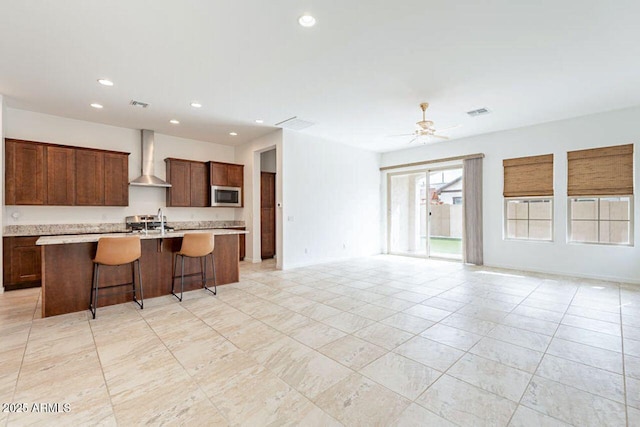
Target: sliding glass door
407 214
425 213
445 213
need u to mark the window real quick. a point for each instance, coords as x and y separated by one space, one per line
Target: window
600 190
529 219
528 193
601 220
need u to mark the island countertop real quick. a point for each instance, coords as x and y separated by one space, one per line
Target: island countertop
89 238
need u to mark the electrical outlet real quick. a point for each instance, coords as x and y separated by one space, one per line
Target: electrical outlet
290 218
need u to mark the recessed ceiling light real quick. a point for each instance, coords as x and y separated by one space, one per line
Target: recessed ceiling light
174 122
196 105
307 21
259 121
233 134
105 82
96 105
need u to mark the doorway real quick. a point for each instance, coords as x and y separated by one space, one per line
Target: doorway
425 213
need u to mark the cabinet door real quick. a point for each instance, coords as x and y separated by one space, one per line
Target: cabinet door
21 260
219 174
235 175
116 179
24 179
60 176
89 178
179 176
199 185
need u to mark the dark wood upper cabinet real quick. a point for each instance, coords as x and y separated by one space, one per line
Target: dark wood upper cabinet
116 179
24 174
235 175
39 173
226 174
219 174
191 180
61 178
179 176
90 178
199 184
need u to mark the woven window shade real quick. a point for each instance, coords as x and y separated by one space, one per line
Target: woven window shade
606 171
528 176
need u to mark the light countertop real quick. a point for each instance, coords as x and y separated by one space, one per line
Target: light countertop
88 238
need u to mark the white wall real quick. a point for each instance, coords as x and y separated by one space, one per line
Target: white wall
268 161
331 201
597 261
142 200
249 155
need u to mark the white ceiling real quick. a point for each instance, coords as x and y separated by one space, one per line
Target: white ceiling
359 74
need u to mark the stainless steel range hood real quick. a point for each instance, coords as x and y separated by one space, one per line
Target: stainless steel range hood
148 179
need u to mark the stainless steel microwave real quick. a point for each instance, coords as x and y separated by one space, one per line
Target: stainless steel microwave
226 196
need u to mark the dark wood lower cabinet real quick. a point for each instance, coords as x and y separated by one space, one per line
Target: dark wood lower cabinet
67 272
21 263
242 243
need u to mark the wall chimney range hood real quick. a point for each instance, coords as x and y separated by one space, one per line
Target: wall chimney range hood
148 179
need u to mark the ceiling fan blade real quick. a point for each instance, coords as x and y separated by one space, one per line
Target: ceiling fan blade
449 128
439 136
401 134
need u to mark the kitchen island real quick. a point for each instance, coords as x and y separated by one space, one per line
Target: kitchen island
67 267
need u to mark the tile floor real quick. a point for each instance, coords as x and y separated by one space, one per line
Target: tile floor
378 341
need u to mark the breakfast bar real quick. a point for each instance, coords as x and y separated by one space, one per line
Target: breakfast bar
67 267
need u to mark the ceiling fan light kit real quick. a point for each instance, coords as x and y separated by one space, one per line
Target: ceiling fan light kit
425 128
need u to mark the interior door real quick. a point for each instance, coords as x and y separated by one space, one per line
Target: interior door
267 214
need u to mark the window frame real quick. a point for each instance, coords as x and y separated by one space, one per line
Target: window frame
505 223
599 197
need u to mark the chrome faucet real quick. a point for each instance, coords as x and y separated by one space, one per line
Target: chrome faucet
161 216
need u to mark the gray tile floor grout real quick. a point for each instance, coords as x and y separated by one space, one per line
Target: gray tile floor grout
473 294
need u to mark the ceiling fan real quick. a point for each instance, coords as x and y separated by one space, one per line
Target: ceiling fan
426 127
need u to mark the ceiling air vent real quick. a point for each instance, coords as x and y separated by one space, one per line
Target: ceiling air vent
478 112
295 123
138 104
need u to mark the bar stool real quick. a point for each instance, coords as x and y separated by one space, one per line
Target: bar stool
195 245
114 251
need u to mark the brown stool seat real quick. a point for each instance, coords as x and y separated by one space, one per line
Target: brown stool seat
118 250
115 251
195 245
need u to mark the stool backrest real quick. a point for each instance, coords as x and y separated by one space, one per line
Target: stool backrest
197 244
118 250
